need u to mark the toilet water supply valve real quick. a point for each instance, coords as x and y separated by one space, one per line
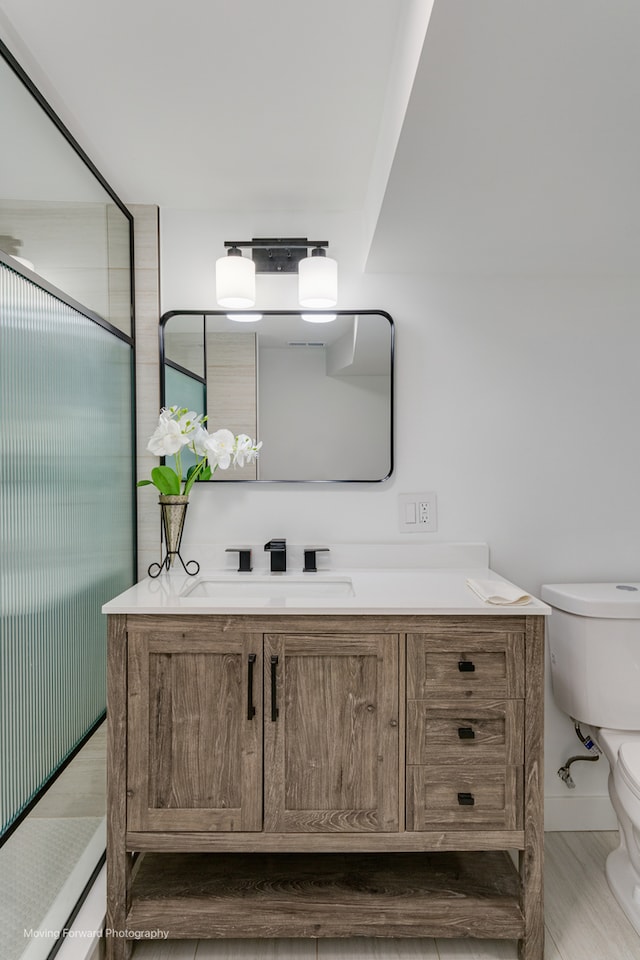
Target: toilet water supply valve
589 744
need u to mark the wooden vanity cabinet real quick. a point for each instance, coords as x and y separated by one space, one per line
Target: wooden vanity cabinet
285 776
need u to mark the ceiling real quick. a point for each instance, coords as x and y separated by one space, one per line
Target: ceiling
507 142
217 104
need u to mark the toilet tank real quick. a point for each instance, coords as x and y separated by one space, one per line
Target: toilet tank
594 645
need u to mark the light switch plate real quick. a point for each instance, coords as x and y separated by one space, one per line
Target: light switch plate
417 513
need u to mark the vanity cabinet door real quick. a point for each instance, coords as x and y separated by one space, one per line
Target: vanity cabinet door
195 731
331 733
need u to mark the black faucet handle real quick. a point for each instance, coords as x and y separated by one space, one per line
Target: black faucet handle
278 550
244 555
310 558
278 546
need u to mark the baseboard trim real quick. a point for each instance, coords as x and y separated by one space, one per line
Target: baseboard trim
578 813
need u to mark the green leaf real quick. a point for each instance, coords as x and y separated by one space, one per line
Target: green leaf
166 480
206 473
143 483
193 473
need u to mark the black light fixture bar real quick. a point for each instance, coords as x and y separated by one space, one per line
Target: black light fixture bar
277 254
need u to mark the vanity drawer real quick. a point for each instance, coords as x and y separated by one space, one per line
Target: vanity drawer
454 798
465 663
485 731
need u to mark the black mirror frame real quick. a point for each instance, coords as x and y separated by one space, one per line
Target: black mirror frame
286 313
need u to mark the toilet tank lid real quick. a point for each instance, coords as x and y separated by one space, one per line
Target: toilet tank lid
617 600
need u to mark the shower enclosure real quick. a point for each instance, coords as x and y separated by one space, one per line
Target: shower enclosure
67 508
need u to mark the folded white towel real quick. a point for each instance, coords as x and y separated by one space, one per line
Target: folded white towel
498 592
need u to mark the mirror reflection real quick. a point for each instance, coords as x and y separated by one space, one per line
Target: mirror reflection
318 395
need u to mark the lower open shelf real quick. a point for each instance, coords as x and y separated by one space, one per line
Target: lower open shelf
199 895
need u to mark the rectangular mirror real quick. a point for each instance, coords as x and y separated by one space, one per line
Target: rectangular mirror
318 395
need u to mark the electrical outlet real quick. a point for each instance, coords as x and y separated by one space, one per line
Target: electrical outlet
417 513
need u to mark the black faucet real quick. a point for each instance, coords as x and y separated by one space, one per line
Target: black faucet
310 558
244 558
278 550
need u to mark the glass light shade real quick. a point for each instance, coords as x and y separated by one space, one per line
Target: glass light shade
318 282
318 317
245 317
235 282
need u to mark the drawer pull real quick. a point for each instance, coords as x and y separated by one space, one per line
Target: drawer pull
466 733
251 710
466 799
274 680
466 666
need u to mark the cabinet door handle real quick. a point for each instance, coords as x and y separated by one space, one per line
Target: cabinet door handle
466 799
466 733
251 710
466 666
274 705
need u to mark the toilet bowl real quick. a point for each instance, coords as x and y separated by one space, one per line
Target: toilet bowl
622 750
594 645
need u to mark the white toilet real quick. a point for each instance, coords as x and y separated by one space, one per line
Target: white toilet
594 642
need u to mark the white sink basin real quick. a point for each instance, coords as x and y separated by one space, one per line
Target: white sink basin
270 587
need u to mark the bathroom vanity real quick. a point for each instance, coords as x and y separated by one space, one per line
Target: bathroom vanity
356 763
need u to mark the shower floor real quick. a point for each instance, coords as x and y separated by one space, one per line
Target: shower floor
46 863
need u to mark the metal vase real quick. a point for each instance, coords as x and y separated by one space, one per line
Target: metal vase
174 511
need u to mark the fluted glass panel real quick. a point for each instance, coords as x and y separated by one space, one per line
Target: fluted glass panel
181 390
66 527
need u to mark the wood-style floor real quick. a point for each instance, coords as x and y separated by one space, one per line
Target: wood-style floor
583 922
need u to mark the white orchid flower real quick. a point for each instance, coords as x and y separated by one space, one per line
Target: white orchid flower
246 450
198 441
167 439
188 421
220 448
171 413
179 427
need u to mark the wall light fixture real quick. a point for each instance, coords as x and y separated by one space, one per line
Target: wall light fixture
318 280
235 280
317 273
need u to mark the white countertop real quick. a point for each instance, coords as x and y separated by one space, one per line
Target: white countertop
412 591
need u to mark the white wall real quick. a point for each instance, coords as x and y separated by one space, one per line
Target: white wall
517 401
347 416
